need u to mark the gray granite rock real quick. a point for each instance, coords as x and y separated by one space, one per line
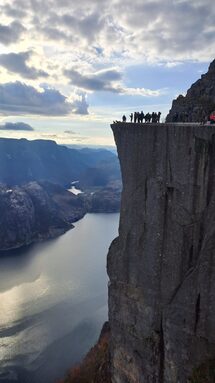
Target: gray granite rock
34 212
199 101
161 266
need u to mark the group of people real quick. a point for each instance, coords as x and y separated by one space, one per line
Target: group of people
140 117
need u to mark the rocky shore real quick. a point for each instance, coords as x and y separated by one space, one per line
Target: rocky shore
42 210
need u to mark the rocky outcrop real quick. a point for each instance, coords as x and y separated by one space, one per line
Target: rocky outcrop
95 367
161 267
42 210
105 200
199 101
34 212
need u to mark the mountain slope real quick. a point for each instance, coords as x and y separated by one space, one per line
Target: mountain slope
23 161
199 101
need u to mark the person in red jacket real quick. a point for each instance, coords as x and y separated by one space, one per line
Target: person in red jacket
212 118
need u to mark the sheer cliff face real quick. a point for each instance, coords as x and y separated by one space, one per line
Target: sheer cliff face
162 265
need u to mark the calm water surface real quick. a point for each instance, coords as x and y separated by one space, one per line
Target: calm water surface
53 301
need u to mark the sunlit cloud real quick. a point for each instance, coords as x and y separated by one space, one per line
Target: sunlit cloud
62 58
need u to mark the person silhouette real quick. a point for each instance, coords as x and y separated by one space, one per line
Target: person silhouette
131 117
154 116
124 118
141 116
135 117
147 117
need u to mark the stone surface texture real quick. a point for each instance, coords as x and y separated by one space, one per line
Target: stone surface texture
199 101
162 264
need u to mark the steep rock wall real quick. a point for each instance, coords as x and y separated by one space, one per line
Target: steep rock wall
199 101
162 265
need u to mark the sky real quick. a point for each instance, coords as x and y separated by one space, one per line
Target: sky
69 68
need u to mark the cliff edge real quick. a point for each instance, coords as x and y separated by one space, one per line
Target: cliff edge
161 266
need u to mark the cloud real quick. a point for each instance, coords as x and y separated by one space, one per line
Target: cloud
16 63
172 64
141 92
69 132
149 29
11 33
99 81
109 80
56 34
80 106
16 126
13 11
88 26
17 98
168 29
87 36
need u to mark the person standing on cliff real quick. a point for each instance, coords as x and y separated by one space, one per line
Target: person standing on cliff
131 117
124 118
154 117
141 116
158 117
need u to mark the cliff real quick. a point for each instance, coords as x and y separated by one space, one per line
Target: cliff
199 101
161 266
36 211
41 210
95 368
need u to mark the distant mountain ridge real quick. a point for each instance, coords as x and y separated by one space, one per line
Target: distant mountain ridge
23 161
34 176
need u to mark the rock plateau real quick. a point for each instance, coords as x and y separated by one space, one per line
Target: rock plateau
162 265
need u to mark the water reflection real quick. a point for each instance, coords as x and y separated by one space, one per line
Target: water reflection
50 295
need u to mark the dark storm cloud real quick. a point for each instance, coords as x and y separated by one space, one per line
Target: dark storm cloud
99 81
11 33
18 98
16 63
16 126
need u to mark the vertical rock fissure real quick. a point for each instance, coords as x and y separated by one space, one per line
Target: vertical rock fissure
161 353
197 313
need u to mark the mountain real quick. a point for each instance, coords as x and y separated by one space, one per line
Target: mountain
41 210
36 211
161 266
34 175
199 101
22 161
